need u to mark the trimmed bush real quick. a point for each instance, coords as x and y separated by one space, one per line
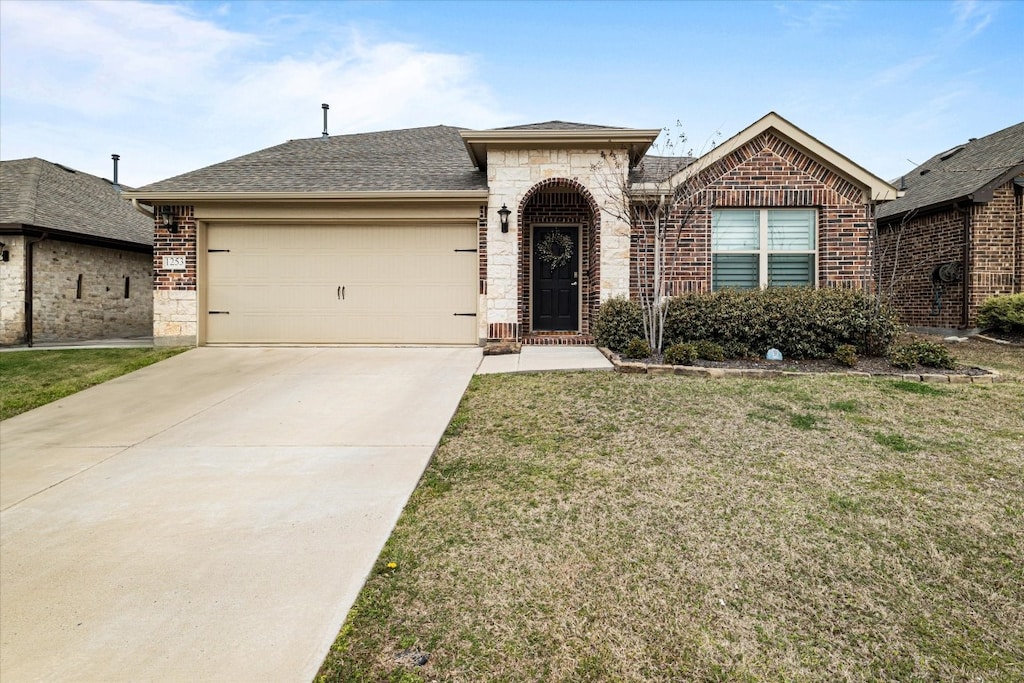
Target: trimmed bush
1003 313
926 353
618 321
709 350
800 322
681 354
846 355
637 348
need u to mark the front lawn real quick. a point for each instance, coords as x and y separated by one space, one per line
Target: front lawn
31 378
607 527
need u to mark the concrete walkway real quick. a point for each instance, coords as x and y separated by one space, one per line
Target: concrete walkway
546 358
211 517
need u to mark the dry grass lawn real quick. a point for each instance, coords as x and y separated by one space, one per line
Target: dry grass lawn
605 527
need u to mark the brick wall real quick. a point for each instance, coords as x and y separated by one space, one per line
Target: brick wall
767 172
175 296
560 202
913 249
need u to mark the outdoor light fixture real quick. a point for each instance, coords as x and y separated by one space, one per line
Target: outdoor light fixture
167 220
504 212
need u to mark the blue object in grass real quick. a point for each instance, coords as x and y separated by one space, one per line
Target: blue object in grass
774 354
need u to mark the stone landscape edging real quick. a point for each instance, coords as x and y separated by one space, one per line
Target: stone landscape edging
627 367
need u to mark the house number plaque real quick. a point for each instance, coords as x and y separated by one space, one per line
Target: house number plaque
174 263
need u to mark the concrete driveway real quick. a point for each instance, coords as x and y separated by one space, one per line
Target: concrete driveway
212 517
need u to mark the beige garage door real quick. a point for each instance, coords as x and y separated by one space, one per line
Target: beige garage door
341 284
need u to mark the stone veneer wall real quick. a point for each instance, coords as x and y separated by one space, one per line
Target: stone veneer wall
511 175
916 247
12 291
175 297
78 292
767 172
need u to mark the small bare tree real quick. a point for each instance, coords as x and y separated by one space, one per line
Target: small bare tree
657 203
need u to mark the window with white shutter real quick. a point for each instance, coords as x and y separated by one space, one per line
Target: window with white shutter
763 248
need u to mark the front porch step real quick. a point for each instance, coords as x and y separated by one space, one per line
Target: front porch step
558 339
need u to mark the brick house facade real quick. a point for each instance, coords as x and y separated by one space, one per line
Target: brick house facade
957 234
554 186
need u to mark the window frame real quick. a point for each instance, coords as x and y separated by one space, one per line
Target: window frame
763 252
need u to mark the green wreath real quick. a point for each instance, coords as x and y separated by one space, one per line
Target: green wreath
555 249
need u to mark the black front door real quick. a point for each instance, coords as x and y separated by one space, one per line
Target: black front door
556 265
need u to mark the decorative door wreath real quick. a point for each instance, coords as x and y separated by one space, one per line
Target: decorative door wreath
555 249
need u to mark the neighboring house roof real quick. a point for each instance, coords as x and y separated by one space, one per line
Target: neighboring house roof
967 172
48 196
875 189
409 160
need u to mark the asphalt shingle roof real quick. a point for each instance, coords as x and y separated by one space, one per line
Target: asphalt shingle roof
39 193
559 125
958 172
413 159
654 169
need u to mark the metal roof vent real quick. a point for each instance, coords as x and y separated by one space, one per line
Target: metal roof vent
325 107
116 158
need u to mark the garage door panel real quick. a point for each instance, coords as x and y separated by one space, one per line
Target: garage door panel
401 284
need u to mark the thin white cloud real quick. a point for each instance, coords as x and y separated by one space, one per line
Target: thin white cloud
172 91
971 17
902 72
812 17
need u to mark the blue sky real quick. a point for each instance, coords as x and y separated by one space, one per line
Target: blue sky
175 86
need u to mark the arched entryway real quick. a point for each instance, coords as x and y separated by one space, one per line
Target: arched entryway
560 264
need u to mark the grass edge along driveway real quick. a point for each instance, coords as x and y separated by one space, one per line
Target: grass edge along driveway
34 377
603 527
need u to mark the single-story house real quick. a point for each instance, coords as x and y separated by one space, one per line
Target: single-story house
956 236
443 235
76 260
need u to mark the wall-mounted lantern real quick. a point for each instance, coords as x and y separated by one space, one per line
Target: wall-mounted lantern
168 220
504 212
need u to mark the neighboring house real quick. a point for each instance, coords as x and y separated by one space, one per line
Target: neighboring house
956 236
443 235
76 261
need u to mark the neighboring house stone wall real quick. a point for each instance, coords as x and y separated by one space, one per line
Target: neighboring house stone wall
12 291
79 292
175 297
909 251
767 172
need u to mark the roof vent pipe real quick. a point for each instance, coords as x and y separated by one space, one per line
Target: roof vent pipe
325 107
116 158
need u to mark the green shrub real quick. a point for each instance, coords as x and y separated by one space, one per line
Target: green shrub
846 355
709 350
637 348
926 353
800 322
1003 313
618 321
735 350
681 354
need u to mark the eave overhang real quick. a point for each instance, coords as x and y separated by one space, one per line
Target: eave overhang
875 189
421 196
636 140
982 195
77 237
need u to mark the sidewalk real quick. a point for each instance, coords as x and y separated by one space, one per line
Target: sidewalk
545 358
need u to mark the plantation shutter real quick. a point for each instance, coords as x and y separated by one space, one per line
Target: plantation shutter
791 230
735 231
738 271
790 270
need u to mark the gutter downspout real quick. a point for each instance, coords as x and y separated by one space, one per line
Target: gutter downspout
29 323
965 307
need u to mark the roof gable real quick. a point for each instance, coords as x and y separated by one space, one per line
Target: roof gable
35 192
967 172
874 188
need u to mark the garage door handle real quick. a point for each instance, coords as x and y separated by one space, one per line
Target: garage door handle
341 293
219 312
